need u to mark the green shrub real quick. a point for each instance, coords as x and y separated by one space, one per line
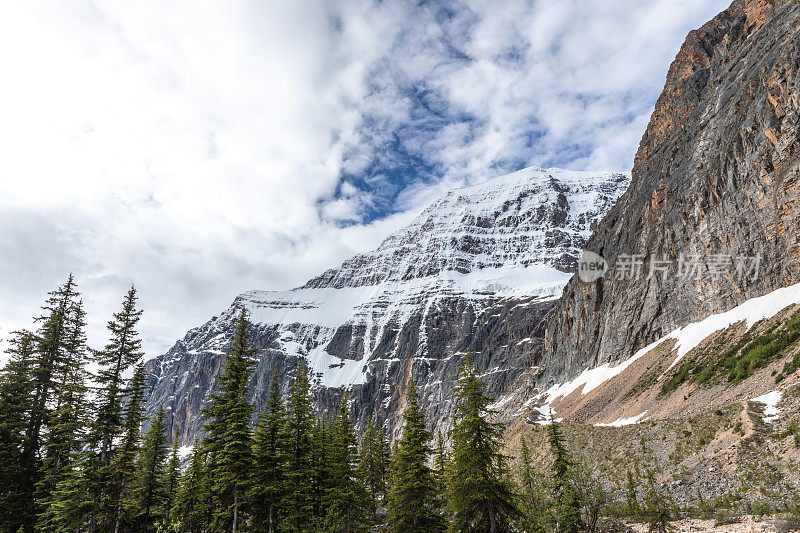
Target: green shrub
793 429
658 508
789 368
743 359
761 509
726 517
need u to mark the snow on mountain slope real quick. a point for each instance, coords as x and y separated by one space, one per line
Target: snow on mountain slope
532 216
506 237
516 237
375 307
686 339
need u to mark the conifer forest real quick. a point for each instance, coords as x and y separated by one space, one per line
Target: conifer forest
79 455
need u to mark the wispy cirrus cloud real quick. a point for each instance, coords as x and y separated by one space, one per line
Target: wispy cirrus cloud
203 151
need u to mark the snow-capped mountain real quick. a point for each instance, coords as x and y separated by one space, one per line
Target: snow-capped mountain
530 217
483 262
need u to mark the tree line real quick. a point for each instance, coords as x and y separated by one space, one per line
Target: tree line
75 458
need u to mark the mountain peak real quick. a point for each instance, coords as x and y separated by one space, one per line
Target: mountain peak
532 216
477 263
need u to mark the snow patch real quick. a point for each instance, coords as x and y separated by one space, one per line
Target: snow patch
687 338
619 422
770 401
591 378
751 311
185 451
547 414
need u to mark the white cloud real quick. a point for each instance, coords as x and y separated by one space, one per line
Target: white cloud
199 150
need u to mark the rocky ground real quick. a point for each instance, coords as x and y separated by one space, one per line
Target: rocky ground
744 524
723 463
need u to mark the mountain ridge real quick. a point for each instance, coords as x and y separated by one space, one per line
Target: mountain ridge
430 292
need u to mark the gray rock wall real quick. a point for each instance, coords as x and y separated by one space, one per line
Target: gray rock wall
716 173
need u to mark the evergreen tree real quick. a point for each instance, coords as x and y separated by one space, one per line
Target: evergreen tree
192 508
123 352
383 455
440 457
122 469
346 497
16 394
480 495
412 495
69 504
62 468
298 502
229 414
64 440
52 358
658 508
632 507
567 505
440 468
533 501
63 481
373 465
172 475
148 490
322 471
268 457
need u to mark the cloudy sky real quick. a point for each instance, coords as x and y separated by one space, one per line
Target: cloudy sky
202 149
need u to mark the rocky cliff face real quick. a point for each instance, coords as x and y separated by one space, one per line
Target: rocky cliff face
715 177
476 272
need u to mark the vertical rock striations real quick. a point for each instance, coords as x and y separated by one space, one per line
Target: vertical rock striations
716 173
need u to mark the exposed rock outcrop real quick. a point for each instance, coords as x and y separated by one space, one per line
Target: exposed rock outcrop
716 173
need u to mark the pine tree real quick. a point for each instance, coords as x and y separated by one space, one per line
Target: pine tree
148 491
67 467
533 502
69 504
658 508
412 495
322 471
373 465
268 457
172 476
16 388
123 352
298 502
347 495
64 458
229 414
480 495
122 468
632 507
65 438
440 457
383 456
567 505
51 358
192 509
